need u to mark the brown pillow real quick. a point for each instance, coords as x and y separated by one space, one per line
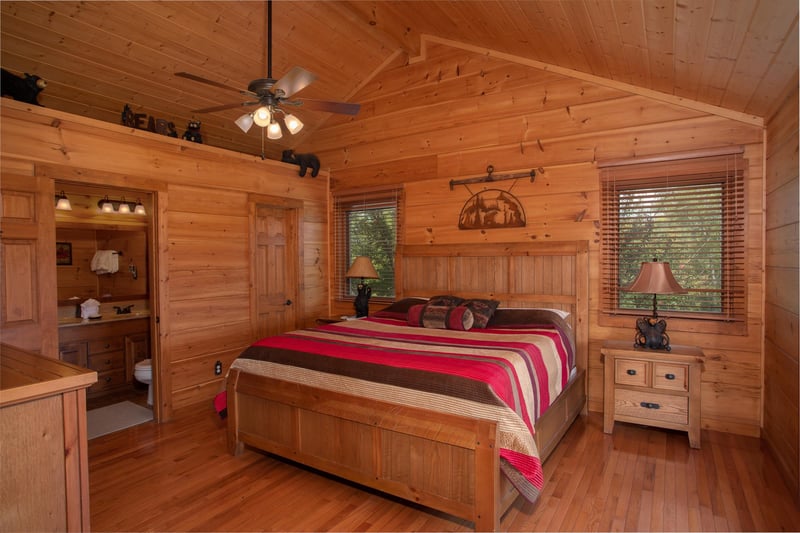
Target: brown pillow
446 299
482 310
399 309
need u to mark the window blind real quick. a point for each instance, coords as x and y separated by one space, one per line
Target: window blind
690 213
365 222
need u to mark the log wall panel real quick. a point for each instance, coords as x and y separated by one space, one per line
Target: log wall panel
781 293
200 194
561 127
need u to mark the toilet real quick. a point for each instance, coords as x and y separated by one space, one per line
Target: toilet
143 372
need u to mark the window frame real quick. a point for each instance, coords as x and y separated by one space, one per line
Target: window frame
345 203
728 168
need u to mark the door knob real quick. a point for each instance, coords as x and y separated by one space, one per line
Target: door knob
288 302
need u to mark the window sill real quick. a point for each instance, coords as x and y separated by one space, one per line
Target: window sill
689 325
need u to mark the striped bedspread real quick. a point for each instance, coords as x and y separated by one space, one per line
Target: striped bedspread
507 375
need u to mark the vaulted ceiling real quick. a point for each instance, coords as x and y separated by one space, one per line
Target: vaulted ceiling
96 57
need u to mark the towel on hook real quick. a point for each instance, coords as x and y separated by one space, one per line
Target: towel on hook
105 262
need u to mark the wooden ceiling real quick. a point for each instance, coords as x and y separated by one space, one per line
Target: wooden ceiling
98 56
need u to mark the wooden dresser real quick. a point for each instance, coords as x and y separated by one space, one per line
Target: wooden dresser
44 485
652 387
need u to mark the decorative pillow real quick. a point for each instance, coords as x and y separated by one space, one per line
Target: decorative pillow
446 299
399 309
440 317
482 310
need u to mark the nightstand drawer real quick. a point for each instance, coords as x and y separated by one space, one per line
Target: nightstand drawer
670 376
631 372
652 406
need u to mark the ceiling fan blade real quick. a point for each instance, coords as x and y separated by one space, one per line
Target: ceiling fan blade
293 81
193 77
331 107
223 107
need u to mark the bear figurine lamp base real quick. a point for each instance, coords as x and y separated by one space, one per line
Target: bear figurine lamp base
362 268
654 278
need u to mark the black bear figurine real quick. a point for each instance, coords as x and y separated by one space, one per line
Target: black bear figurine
305 161
192 132
361 302
25 89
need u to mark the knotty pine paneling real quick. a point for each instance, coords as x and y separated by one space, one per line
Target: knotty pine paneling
450 114
200 205
782 272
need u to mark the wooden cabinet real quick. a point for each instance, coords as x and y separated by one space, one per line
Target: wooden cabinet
44 458
109 348
653 387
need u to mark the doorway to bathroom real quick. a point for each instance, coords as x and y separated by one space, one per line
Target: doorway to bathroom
106 292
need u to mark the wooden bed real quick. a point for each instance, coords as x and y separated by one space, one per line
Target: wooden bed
388 446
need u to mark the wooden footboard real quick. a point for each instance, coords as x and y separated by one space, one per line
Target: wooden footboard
443 461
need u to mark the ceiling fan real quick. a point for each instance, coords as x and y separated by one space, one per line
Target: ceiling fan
272 96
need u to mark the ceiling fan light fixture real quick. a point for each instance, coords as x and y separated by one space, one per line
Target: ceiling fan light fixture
274 131
245 122
262 116
293 124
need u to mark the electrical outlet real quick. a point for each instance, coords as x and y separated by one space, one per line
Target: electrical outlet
218 368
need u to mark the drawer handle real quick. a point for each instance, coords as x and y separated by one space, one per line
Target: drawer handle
631 372
650 405
670 376
108 346
65 352
108 361
108 379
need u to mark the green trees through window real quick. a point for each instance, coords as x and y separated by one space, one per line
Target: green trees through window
373 232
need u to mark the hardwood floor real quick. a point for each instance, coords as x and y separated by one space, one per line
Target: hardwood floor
178 476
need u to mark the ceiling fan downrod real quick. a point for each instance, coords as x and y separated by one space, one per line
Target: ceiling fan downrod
269 39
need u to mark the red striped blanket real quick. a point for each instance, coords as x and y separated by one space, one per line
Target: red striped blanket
508 375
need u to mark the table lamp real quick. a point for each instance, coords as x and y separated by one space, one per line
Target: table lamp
654 278
362 268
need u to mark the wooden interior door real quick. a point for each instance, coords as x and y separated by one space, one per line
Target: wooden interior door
276 268
28 293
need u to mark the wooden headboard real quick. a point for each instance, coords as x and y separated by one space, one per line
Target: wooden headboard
550 275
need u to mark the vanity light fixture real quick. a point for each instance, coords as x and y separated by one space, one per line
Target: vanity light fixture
62 202
123 206
105 205
139 208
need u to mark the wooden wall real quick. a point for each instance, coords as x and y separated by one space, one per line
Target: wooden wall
782 334
201 249
78 280
451 113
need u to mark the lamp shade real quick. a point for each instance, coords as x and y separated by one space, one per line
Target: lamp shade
293 124
656 278
62 202
274 131
362 268
245 122
262 116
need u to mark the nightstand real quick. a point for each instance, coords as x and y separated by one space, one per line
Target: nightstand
652 387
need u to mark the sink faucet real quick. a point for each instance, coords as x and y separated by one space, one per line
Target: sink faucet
123 310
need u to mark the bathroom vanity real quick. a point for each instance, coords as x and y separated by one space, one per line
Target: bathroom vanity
111 346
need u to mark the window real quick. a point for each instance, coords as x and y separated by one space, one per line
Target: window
688 212
366 223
